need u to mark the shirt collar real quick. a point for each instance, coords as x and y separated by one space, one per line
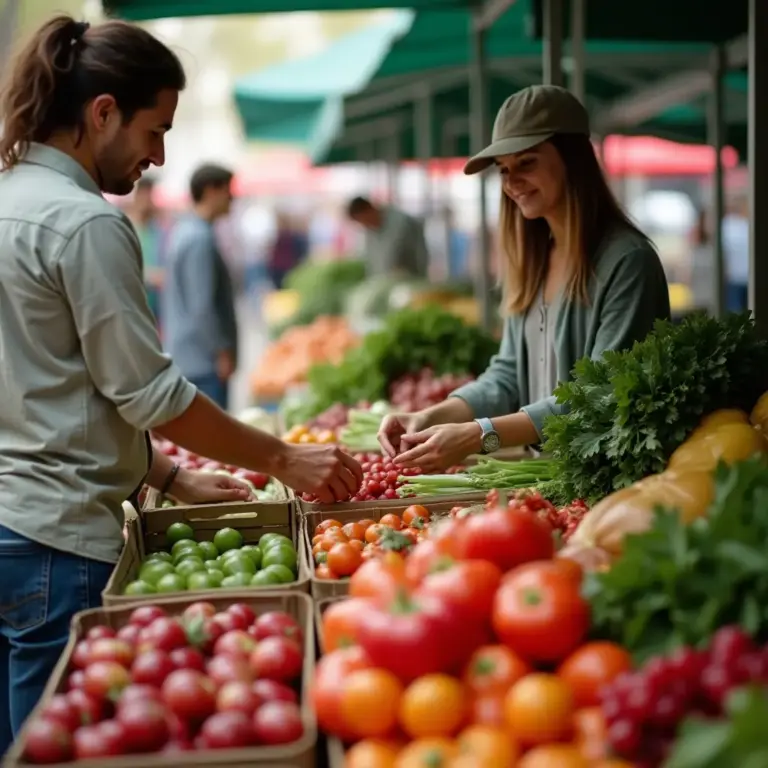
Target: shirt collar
56 160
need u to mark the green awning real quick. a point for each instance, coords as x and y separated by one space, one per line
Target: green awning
301 101
142 10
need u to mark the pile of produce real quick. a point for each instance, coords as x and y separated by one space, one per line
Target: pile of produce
200 681
226 561
422 389
629 411
339 549
288 360
263 487
411 340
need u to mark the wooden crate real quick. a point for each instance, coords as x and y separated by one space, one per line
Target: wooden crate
300 754
390 505
155 500
322 589
146 534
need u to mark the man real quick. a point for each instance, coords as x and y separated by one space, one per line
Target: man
198 303
395 242
143 214
736 253
83 378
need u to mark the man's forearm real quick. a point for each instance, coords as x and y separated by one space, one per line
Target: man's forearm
160 469
207 430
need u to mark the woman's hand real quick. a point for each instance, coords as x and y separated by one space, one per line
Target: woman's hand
437 448
395 426
192 487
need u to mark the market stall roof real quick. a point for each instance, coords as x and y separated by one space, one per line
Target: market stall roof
142 10
300 101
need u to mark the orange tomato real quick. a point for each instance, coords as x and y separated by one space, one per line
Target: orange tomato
427 753
344 559
590 733
354 531
592 666
341 621
371 753
493 668
366 522
611 764
487 709
421 560
357 544
570 568
324 525
391 521
332 536
415 512
373 532
324 572
539 709
316 539
554 756
318 547
381 577
369 702
487 747
432 705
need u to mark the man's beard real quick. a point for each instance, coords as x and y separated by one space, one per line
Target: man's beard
112 178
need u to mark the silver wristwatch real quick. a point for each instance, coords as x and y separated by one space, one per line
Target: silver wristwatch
490 440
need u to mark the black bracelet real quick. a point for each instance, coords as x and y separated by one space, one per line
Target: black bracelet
169 480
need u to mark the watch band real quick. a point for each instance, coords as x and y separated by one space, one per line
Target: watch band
486 425
169 480
490 437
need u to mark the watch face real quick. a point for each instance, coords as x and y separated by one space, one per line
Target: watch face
491 442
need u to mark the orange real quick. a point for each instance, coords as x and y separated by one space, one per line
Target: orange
427 753
369 702
371 753
486 747
432 705
539 709
554 756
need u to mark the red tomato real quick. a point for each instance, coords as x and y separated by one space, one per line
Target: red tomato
507 538
199 610
76 680
48 741
111 649
237 696
61 709
206 635
277 658
227 621
244 612
271 690
330 672
188 658
236 642
164 633
278 722
277 623
190 695
138 692
380 578
410 637
224 668
144 615
81 654
145 725
341 621
105 739
152 667
591 667
99 632
129 633
539 613
227 730
91 709
106 679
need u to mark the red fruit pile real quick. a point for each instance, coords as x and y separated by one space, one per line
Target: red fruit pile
204 680
416 391
643 708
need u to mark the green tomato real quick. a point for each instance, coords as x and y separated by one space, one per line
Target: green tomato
154 570
213 565
277 574
254 553
139 588
202 580
189 566
216 577
242 564
280 555
208 548
269 540
182 544
228 538
236 580
178 531
172 582
185 554
165 557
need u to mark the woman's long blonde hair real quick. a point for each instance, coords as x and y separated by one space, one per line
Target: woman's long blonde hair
591 211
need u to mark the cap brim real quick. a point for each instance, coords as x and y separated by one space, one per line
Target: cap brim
484 159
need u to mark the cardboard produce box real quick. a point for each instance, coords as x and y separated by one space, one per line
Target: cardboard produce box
300 754
322 589
146 534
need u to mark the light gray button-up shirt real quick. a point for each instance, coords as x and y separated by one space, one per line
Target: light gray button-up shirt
82 373
541 348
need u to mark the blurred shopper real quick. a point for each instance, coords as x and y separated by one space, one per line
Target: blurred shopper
289 248
395 241
736 252
199 300
703 265
146 221
83 378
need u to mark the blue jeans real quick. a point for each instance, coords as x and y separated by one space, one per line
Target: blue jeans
41 589
212 386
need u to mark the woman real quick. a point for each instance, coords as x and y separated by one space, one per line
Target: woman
578 279
83 378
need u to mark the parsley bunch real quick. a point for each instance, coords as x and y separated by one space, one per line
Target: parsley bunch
628 411
676 584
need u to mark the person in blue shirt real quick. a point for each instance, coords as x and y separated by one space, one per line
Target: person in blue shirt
200 327
736 252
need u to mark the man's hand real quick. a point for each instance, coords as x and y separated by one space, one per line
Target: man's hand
323 470
201 487
225 365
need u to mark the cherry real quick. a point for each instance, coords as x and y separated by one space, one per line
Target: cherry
729 643
625 736
715 683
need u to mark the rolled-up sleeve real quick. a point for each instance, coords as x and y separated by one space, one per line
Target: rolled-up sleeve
496 392
100 273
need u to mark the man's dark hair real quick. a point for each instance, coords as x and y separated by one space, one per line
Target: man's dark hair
359 205
208 176
66 64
